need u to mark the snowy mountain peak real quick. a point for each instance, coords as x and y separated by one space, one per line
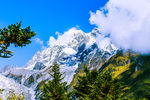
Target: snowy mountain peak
60 50
71 50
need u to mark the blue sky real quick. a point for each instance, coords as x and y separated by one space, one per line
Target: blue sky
45 17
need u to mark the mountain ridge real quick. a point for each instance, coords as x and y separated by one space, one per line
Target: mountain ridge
81 48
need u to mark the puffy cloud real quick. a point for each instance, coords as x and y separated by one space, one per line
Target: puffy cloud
127 22
63 39
52 41
57 33
37 40
102 41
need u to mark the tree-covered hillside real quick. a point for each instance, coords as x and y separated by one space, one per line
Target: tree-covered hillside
132 69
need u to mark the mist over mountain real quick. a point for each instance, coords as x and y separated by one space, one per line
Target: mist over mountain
127 22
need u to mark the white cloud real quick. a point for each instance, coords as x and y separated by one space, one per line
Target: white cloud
37 40
102 41
127 22
52 41
57 33
63 39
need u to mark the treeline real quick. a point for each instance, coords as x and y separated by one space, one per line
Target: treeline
91 86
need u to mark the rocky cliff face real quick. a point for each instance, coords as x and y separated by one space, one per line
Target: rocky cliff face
81 49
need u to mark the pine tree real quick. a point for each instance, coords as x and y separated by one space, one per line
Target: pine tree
98 86
55 89
147 92
85 87
16 35
108 88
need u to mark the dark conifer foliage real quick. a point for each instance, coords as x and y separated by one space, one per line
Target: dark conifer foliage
98 86
16 35
55 89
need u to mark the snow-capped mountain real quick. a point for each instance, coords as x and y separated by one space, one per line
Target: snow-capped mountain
80 48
